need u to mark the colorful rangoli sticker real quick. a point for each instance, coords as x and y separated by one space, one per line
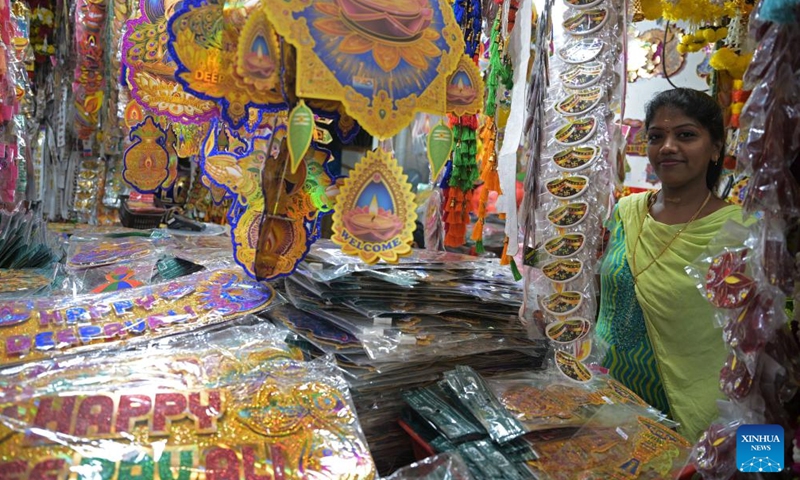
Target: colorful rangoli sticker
565 246
375 212
574 159
580 51
583 4
563 303
562 270
580 102
586 21
568 215
146 162
568 331
572 368
566 188
21 281
151 67
582 75
576 131
384 60
465 89
121 278
242 71
727 285
105 252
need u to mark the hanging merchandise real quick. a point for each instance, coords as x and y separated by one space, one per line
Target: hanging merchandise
227 52
461 181
375 210
383 64
89 85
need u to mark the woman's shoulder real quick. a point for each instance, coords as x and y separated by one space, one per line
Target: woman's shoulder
635 201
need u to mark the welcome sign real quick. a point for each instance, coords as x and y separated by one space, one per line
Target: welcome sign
760 448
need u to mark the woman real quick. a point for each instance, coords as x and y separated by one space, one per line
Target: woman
662 340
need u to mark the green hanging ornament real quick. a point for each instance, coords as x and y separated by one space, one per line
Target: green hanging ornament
440 146
300 133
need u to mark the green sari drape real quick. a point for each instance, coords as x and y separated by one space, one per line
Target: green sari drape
688 349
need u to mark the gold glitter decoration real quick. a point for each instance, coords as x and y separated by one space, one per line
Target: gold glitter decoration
45 328
19 281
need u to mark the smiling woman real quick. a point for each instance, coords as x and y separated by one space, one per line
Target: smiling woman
663 343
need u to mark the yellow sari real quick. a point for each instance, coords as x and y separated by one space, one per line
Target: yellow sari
688 348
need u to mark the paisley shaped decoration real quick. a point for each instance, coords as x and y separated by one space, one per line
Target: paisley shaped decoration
586 21
727 285
568 215
565 246
465 89
582 50
562 270
562 303
582 75
300 132
440 145
151 68
145 164
572 368
296 201
375 211
580 102
384 60
230 56
582 4
568 331
566 188
576 131
574 159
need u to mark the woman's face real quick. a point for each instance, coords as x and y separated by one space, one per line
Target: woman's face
679 148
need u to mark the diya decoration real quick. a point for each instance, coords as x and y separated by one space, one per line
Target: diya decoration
105 252
294 200
582 50
562 303
580 102
562 270
375 211
571 367
151 67
568 215
576 131
573 159
294 420
582 75
229 54
567 188
383 60
147 163
465 89
585 22
564 246
35 329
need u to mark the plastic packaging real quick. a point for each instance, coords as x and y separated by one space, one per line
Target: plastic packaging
202 404
445 466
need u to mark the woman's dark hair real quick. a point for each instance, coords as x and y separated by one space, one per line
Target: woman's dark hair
700 107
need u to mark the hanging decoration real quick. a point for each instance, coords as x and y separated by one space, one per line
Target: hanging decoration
488 176
268 249
151 67
375 210
300 132
146 164
384 61
231 56
88 87
439 147
464 174
465 89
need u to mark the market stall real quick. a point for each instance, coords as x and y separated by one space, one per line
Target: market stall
356 239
